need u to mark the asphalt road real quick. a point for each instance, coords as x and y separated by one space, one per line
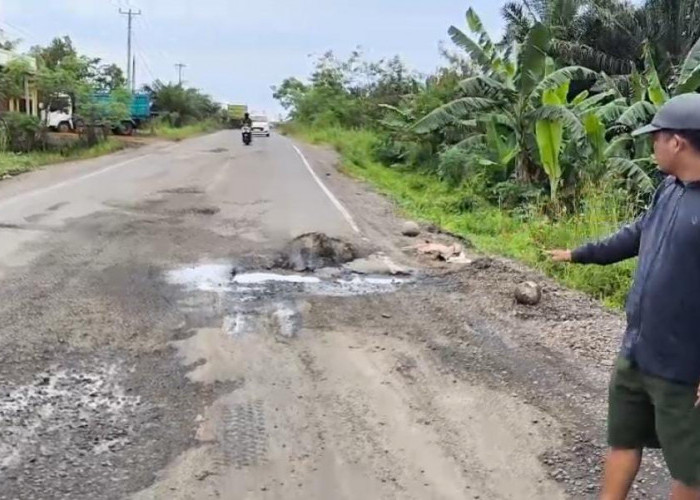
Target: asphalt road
150 349
268 174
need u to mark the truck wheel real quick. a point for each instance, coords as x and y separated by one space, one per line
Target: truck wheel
127 128
79 126
63 127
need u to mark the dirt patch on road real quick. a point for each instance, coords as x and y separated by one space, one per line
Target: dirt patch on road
330 377
556 355
313 251
94 426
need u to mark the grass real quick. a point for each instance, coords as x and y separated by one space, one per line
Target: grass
170 133
18 163
526 237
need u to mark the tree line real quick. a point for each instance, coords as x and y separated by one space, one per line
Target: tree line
538 117
62 71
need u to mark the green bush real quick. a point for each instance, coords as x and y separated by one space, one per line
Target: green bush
22 132
163 128
454 165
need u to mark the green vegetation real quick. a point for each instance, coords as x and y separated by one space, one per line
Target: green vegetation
18 163
164 130
180 107
63 76
521 145
521 236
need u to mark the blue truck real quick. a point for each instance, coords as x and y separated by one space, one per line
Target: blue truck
61 116
140 111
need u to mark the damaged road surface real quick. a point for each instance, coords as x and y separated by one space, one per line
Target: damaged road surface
204 320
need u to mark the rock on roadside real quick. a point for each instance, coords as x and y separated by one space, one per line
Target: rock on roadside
410 229
528 293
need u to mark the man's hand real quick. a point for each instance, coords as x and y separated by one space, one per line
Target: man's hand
697 401
560 255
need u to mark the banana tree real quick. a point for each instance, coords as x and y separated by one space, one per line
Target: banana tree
689 72
615 158
549 133
508 91
498 149
607 118
634 168
645 104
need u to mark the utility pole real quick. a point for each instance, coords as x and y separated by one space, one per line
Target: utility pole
130 13
133 75
179 67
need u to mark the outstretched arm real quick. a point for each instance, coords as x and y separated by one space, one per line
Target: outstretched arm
620 246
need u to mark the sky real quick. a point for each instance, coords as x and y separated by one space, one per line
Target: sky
236 50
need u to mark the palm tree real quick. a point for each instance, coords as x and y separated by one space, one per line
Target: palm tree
672 27
608 35
600 34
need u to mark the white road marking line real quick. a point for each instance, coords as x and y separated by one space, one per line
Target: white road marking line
69 182
330 195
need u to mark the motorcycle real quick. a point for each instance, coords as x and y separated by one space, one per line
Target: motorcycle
247 135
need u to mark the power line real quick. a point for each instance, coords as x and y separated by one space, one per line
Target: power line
20 31
141 54
146 49
179 67
131 14
148 28
148 68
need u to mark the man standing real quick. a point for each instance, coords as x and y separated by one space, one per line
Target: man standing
654 398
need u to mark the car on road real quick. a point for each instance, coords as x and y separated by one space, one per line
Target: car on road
261 125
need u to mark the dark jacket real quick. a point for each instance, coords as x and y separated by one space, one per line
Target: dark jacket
663 306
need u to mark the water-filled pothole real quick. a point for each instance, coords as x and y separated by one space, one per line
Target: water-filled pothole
250 285
264 301
249 301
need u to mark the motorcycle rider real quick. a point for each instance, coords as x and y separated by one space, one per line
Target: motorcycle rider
246 124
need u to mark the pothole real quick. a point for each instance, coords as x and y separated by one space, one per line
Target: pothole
183 190
203 210
253 300
256 285
282 318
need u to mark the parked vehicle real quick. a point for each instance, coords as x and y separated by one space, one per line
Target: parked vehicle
247 135
261 125
61 116
140 111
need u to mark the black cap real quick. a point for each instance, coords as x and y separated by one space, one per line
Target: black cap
680 113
